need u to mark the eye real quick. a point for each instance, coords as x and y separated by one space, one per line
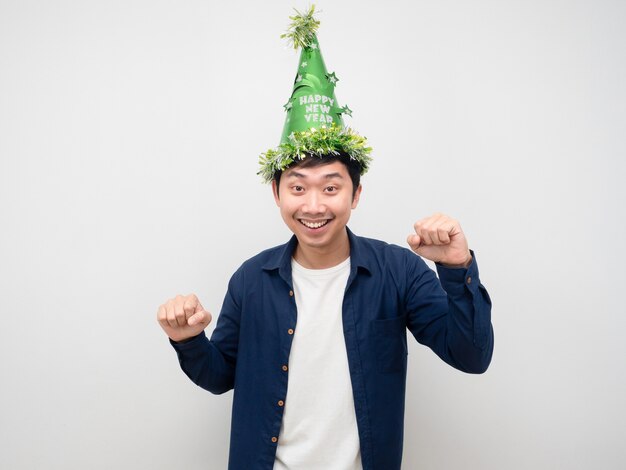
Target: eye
331 189
298 189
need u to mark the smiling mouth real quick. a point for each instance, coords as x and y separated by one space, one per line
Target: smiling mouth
314 225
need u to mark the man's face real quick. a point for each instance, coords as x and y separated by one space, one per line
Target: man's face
316 203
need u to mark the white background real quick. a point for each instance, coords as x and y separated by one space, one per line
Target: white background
129 137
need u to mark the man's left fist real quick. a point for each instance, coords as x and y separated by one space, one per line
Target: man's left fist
440 238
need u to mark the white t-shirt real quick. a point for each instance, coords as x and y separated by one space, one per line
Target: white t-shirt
318 430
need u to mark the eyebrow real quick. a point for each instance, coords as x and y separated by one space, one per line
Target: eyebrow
295 174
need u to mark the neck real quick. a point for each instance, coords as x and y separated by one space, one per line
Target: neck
325 257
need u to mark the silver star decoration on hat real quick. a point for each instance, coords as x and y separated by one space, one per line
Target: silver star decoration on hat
346 110
332 78
298 78
288 105
304 64
313 45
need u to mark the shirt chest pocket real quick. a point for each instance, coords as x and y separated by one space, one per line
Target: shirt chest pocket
389 335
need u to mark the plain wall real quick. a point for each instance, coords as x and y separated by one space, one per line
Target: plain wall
129 138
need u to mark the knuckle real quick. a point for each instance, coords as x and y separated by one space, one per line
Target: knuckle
190 302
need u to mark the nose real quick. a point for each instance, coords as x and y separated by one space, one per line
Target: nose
313 203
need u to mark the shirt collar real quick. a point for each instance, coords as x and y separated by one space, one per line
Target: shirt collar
281 259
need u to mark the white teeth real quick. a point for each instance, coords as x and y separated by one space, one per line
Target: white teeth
314 224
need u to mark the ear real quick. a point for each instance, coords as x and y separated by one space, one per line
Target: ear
275 192
357 195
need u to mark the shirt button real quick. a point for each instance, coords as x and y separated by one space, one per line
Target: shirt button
274 439
290 293
469 279
281 403
290 331
285 368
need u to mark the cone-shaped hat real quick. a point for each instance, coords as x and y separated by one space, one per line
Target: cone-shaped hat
312 102
314 122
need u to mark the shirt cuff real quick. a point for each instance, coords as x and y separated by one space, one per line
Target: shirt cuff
454 280
190 343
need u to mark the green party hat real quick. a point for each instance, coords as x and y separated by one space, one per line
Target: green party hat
314 123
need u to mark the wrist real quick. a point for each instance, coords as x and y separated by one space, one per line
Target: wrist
463 265
184 340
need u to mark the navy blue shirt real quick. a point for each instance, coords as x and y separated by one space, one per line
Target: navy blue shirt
389 290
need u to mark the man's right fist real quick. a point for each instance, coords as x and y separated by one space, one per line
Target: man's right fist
183 317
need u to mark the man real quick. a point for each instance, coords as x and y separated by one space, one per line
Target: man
312 334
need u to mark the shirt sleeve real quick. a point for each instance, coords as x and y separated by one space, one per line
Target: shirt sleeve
210 364
450 314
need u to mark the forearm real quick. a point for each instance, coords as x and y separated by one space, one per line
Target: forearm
202 361
469 335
